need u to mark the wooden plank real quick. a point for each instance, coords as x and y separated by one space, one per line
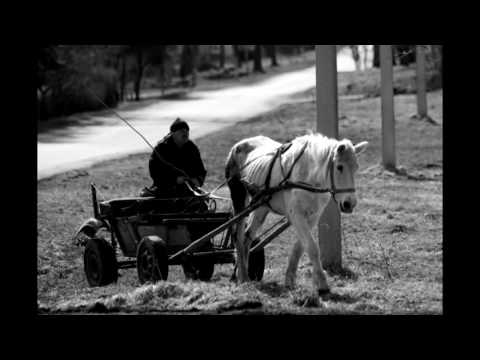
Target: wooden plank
194 245
283 225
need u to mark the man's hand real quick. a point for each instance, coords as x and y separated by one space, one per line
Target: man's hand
181 179
196 182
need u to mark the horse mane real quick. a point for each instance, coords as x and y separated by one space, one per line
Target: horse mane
317 153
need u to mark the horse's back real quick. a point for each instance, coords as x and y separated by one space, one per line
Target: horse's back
253 143
251 155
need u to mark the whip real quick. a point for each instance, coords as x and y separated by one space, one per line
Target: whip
198 191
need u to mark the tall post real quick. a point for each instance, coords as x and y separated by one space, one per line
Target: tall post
388 117
421 83
329 234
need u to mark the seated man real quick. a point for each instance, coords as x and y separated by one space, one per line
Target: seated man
175 149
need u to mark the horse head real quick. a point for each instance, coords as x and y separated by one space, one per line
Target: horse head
342 173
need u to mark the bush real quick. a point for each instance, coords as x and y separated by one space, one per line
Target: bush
74 92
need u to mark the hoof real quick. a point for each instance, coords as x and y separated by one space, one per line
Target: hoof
323 292
290 286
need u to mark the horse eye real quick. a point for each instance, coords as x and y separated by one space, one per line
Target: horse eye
340 168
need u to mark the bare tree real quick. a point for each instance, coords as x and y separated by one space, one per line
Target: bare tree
238 52
376 56
123 76
257 59
356 56
272 53
140 65
189 63
222 56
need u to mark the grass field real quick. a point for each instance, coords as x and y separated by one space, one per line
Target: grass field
392 243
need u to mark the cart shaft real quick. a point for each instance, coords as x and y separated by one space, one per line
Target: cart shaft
216 231
284 225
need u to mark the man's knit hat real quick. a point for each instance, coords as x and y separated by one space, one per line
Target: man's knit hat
179 124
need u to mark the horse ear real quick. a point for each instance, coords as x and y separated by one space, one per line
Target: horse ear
341 148
360 147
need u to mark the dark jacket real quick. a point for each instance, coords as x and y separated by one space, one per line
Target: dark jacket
186 158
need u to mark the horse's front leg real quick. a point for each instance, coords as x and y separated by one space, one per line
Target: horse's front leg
295 255
303 226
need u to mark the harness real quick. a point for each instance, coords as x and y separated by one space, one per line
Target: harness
286 184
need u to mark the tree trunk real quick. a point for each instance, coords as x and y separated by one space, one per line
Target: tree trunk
42 105
273 55
123 76
257 59
222 56
195 54
356 56
164 82
139 74
238 55
188 64
376 56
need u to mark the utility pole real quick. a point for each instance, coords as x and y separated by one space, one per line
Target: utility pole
388 116
422 109
329 232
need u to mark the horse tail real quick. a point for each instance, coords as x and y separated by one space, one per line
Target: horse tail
230 164
238 192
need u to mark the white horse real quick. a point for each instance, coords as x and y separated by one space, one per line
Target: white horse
254 164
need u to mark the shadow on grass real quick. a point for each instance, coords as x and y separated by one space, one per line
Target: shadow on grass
91 118
343 298
147 99
341 272
307 299
64 122
272 288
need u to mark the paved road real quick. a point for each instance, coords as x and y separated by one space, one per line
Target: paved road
108 137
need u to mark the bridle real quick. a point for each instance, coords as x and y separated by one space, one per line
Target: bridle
287 184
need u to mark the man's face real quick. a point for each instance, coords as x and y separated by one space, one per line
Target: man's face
180 137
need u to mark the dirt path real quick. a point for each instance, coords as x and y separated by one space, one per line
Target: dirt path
101 135
106 136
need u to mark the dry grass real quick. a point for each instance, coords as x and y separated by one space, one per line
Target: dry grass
392 244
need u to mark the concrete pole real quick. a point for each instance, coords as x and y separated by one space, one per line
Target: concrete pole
329 233
388 116
421 83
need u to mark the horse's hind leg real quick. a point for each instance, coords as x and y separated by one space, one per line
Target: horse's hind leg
255 221
241 263
239 196
295 255
305 235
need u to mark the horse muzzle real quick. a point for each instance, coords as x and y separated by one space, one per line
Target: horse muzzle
347 206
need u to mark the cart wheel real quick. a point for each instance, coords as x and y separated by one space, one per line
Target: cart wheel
256 263
152 259
100 262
